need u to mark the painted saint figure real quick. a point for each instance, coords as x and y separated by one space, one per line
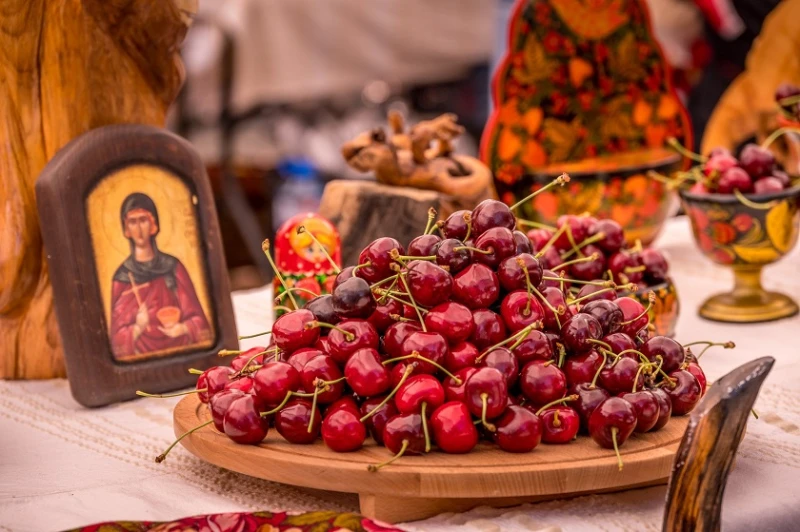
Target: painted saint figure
154 306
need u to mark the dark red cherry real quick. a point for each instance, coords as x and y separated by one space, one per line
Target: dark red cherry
342 431
556 298
429 284
522 242
533 346
520 309
365 374
346 402
551 258
577 332
353 299
589 398
491 213
719 163
321 344
620 342
395 336
324 368
542 382
646 408
299 358
783 177
454 391
239 362
292 421
607 313
548 283
243 384
518 430
457 225
767 185
735 179
404 427
614 236
684 393
219 403
242 421
512 275
453 255
618 377
476 286
349 337
560 424
379 255
581 368
633 314
613 413
699 374
505 362
377 421
429 345
381 318
453 430
539 238
274 380
292 330
423 246
664 408
655 264
590 269
489 328
451 320
213 380
461 355
670 351
487 386
575 226
343 275
623 268
756 161
322 308
498 242
593 292
419 389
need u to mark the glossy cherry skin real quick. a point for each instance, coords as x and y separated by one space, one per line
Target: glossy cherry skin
489 328
322 308
607 313
664 408
423 245
461 355
363 336
429 345
518 430
476 286
618 377
655 263
589 398
594 292
377 421
520 309
578 330
451 320
646 408
219 403
404 427
620 342
612 413
243 384
299 358
454 391
365 374
381 317
614 237
542 382
324 368
560 424
395 336
734 179
490 383
699 374
453 430
343 275
429 284
522 242
685 393
551 258
290 332
557 300
342 431
213 380
756 161
581 368
632 309
449 254
538 238
576 227
620 265
512 275
499 241
292 421
274 380
353 299
549 283
670 351
505 362
238 362
457 225
491 213
591 269
242 421
534 346
378 254
419 389
767 185
718 163
346 402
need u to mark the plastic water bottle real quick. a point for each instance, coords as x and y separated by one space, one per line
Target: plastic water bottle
300 190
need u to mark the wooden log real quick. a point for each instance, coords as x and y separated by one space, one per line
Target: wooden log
364 210
67 67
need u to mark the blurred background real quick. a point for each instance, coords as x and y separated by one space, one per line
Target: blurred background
274 87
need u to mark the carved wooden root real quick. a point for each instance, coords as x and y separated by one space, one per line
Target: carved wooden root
67 67
704 459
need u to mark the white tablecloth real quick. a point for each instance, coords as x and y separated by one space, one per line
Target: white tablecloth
64 466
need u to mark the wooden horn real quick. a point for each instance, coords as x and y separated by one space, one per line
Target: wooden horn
707 450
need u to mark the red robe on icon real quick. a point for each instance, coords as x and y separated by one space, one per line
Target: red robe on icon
157 289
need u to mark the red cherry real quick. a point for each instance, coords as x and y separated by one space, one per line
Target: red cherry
735 179
593 292
353 299
646 408
342 276
719 163
533 346
756 161
576 227
451 320
292 421
538 238
429 345
404 428
343 403
395 336
456 225
491 213
453 430
768 185
620 342
699 188
699 374
274 380
685 393
577 332
512 275
623 268
423 246
520 309
656 266
486 390
321 344
322 308
591 269
667 349
219 403
322 367
542 382
429 284
239 362
560 424
244 384
518 430
498 243
783 177
381 317
489 328
522 243
556 298
378 255
614 236
376 422
607 313
633 313
476 286
619 376
549 283
615 418
213 380
664 408
242 421
299 358
293 330
589 398
461 355
505 362
417 390
342 345
453 254
550 259
365 374
581 368
453 390
342 431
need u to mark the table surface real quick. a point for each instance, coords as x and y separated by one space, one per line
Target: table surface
64 466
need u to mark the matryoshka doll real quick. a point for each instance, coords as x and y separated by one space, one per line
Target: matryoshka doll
301 261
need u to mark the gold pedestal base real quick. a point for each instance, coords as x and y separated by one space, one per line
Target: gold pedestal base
748 308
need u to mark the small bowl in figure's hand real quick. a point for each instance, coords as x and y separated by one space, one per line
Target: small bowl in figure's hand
168 316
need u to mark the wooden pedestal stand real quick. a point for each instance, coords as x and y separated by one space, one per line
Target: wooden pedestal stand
67 67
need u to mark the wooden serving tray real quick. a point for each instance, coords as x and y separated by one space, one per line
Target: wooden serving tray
417 487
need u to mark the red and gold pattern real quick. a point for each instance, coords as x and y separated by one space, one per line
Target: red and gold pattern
666 308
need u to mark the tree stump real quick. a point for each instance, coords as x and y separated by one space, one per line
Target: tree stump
67 67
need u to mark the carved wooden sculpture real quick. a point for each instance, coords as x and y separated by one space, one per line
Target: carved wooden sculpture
67 67
704 459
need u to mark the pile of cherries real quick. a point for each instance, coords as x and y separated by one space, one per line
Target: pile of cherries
787 95
463 336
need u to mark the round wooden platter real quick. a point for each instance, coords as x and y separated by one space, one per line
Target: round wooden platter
416 487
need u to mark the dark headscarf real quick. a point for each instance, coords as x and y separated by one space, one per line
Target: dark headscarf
161 264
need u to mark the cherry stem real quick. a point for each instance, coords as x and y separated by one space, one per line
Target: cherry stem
414 303
614 431
600 342
475 250
484 405
753 411
265 248
247 364
562 355
752 204
280 405
521 336
726 345
468 220
431 217
402 258
642 356
313 408
589 296
416 356
578 281
560 180
167 395
678 147
376 467
195 371
282 308
600 369
347 334
571 239
556 402
789 100
777 134
537 225
390 278
514 337
382 299
556 421
671 183
638 374
556 311
302 229
593 256
256 335
552 241
425 428
391 296
651 298
521 264
288 291
386 399
161 457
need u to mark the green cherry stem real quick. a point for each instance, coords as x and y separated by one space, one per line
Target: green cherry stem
484 405
601 343
475 250
265 248
406 374
195 371
256 335
413 303
376 467
302 229
468 220
386 293
549 243
777 134
678 147
425 428
313 408
416 356
589 296
556 402
347 334
600 369
614 431
513 338
431 217
293 289
559 181
535 225
166 395
161 457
